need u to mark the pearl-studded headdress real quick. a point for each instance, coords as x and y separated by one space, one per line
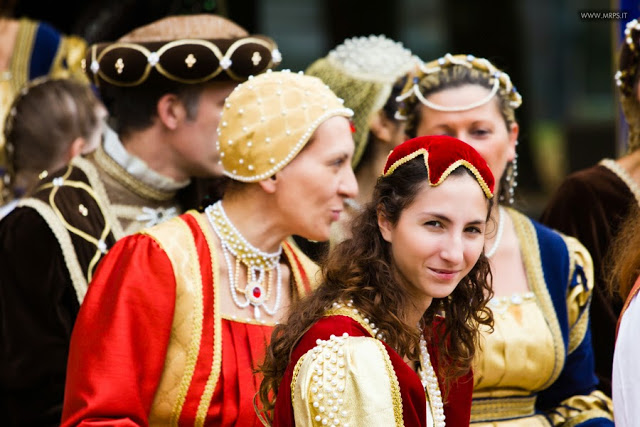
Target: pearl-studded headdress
362 71
500 82
267 120
197 52
625 78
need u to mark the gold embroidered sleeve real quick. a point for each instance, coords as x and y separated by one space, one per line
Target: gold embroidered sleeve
578 295
578 409
68 61
346 380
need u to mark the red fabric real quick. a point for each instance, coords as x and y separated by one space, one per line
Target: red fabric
457 409
119 343
443 151
120 337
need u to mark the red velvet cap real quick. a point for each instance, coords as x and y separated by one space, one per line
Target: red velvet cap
442 155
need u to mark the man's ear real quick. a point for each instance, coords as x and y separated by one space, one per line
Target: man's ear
381 127
171 111
385 227
270 184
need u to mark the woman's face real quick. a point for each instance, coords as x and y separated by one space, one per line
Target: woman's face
439 237
312 188
483 127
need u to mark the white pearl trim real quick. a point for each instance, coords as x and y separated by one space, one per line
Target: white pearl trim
345 112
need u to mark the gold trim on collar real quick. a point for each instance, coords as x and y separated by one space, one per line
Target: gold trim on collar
117 172
530 250
187 321
216 363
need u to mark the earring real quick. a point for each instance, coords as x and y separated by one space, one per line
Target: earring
510 181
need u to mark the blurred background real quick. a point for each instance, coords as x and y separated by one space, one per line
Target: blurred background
561 61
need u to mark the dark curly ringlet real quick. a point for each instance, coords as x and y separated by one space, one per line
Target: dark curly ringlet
361 269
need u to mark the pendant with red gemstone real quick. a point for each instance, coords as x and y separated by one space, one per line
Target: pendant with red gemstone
255 293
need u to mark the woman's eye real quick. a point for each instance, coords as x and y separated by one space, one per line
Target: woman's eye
480 132
474 230
433 223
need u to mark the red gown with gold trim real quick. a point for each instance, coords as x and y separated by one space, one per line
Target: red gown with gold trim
150 346
410 408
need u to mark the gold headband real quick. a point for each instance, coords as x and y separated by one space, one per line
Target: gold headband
500 80
267 120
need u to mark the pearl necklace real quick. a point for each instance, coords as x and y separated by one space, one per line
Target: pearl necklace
435 408
428 378
259 264
491 252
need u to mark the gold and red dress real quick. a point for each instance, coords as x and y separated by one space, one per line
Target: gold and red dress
340 374
150 346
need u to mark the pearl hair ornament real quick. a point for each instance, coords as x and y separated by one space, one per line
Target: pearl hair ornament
500 80
262 128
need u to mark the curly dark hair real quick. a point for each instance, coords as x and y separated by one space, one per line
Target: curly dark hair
361 269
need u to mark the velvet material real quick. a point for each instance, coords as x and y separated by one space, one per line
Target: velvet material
183 61
577 376
38 306
591 205
45 46
457 407
442 154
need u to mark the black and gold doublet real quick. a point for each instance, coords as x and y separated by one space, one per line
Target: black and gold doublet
50 247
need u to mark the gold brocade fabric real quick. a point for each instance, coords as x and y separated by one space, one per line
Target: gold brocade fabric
514 360
366 387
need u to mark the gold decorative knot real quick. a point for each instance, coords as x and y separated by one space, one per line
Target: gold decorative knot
256 58
83 210
119 65
190 60
43 174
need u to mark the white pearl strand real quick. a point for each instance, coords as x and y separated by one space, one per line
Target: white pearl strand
427 374
430 383
491 252
256 261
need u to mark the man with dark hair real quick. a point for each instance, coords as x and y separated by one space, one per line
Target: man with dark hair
165 85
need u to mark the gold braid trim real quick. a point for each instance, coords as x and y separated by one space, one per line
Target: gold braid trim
98 243
624 176
214 375
21 56
309 268
395 385
348 312
184 259
578 298
101 193
64 240
296 371
453 166
578 409
530 250
117 172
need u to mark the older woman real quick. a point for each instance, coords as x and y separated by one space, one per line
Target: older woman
369 346
178 316
536 368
